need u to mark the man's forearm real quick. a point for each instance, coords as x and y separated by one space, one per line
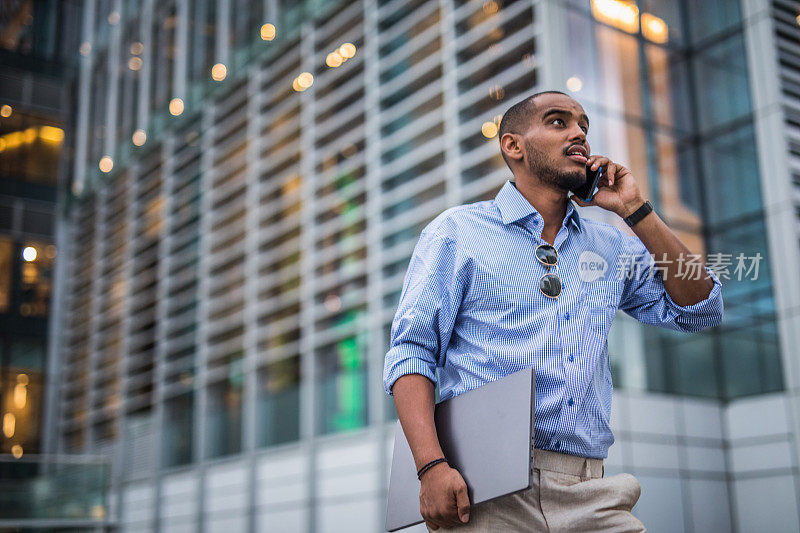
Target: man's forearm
667 249
414 400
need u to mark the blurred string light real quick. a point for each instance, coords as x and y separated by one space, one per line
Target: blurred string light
106 164
489 129
490 7
334 59
51 134
176 107
5 111
347 50
574 84
797 19
219 72
624 15
21 392
139 137
618 13
85 49
303 82
340 55
113 18
268 31
654 29
29 253
15 139
16 451
135 63
9 425
136 48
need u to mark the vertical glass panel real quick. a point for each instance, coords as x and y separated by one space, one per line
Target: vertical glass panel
708 17
279 403
722 89
750 360
224 422
669 96
694 367
177 445
730 167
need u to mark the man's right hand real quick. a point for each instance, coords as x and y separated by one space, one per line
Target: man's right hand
443 499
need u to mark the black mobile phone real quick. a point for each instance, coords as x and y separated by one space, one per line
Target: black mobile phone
586 191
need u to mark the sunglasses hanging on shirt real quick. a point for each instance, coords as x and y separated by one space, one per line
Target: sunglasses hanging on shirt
550 283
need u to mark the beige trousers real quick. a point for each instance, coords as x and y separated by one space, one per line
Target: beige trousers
569 494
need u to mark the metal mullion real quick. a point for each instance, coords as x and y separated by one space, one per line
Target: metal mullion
200 393
250 340
95 312
161 303
308 213
114 77
84 98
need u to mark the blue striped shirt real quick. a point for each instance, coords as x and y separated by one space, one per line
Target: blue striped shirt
472 310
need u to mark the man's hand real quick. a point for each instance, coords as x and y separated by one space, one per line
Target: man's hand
617 189
443 499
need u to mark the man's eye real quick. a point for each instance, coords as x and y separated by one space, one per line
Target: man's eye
557 120
585 129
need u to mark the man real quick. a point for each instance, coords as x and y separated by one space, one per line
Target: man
523 280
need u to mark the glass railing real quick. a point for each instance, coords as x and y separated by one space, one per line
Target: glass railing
54 490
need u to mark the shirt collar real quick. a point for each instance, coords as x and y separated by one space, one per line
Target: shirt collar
514 207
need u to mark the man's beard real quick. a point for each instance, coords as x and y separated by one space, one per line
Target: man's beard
546 170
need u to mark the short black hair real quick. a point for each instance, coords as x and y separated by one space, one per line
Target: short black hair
518 117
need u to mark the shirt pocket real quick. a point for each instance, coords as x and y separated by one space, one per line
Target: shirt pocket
600 300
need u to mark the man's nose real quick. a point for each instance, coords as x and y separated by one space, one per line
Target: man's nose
577 134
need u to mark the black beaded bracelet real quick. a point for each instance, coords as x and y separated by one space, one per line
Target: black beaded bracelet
429 466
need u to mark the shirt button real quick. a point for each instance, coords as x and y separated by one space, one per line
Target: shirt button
566 316
570 402
571 358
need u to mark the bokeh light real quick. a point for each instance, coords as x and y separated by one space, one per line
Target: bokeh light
106 164
268 32
219 72
139 137
176 106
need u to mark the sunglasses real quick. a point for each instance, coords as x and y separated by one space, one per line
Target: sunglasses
550 283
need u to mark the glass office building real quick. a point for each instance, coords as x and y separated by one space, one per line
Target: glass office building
250 178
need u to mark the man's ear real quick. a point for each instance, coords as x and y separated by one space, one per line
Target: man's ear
511 145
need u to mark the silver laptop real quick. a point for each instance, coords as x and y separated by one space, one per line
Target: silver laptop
486 434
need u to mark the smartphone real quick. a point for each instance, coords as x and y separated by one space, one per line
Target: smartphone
586 191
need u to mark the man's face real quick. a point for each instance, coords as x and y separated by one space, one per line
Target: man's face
555 143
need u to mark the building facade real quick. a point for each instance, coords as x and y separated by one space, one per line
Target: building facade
250 179
34 112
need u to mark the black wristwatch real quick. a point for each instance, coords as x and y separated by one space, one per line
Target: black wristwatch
639 214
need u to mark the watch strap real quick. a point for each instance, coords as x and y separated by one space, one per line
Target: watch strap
639 214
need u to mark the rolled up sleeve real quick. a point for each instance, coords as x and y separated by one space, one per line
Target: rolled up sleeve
423 323
646 299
